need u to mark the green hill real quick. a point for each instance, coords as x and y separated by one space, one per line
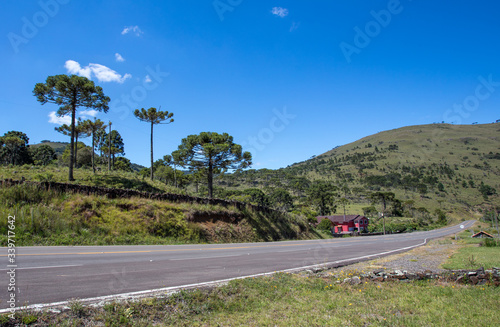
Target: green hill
57 146
451 167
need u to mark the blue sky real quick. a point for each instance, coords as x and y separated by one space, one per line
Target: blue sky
288 79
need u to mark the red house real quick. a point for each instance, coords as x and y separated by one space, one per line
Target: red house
347 223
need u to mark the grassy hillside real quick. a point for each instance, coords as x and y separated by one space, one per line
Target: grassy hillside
455 168
57 146
52 218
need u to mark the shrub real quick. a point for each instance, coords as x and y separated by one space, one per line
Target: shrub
325 225
490 243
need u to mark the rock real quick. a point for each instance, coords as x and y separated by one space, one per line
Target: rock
474 280
472 273
378 279
461 280
482 282
412 276
480 271
355 280
347 280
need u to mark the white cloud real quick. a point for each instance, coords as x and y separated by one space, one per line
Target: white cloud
54 119
119 57
89 113
147 79
132 29
281 12
74 68
102 73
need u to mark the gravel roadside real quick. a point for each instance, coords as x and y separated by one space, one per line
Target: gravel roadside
429 257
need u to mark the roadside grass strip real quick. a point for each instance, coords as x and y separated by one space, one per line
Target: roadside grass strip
286 299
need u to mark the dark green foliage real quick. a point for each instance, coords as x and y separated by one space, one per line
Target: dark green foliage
117 145
84 155
123 164
212 153
486 190
490 243
441 217
14 149
325 225
322 195
370 211
257 196
43 155
281 199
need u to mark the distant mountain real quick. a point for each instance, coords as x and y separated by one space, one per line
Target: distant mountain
57 146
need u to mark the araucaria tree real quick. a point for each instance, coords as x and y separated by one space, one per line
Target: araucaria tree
154 118
213 153
80 132
94 128
71 93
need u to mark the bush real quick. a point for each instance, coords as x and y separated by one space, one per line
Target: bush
490 243
325 225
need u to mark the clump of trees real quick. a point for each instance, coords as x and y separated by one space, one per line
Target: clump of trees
70 93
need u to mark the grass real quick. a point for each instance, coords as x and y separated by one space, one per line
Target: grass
53 218
294 300
473 257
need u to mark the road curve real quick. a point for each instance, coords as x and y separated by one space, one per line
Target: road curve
54 274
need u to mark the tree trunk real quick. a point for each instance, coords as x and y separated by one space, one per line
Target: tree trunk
93 148
72 144
76 150
210 179
109 148
175 175
152 151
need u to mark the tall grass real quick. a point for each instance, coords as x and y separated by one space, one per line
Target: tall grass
47 217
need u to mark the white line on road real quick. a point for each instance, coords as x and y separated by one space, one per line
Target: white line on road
46 267
198 258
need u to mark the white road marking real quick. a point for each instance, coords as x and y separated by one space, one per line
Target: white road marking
198 258
43 267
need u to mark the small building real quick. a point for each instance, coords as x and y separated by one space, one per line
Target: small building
347 223
482 234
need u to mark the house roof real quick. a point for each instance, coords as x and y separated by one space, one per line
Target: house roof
482 233
340 219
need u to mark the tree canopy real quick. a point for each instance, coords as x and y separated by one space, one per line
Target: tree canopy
43 155
14 148
213 153
322 195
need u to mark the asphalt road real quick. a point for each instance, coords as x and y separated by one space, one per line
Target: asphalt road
54 274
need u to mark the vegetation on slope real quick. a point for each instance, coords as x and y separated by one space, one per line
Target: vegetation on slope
431 169
51 218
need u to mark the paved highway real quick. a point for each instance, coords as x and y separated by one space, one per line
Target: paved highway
54 274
